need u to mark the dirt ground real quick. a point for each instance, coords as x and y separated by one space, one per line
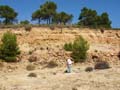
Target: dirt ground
56 79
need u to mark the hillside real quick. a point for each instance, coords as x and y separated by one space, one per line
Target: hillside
44 45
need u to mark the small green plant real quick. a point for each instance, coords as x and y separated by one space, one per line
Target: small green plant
89 69
52 64
9 48
80 48
68 46
25 22
30 52
96 51
52 27
32 75
74 88
32 58
30 67
102 30
28 28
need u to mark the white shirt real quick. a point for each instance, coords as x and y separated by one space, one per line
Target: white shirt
69 61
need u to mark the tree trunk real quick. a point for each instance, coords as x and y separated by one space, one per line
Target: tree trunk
6 21
39 21
47 21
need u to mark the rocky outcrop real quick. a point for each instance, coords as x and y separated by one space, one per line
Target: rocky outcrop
43 45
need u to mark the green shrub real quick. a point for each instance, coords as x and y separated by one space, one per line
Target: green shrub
30 67
80 48
52 27
9 48
30 52
32 58
10 59
52 64
32 75
102 65
25 22
89 69
68 46
28 28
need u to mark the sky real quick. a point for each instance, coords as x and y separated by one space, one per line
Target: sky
25 8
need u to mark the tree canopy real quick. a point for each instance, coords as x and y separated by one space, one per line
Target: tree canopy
62 17
46 12
37 15
9 48
8 14
24 22
90 18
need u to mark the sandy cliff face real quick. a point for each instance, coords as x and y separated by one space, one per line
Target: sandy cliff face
47 44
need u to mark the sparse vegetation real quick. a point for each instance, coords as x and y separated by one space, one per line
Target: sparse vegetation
89 69
25 22
68 46
46 12
90 18
28 28
30 52
32 59
96 51
9 48
62 18
32 75
7 14
52 27
74 88
30 67
102 65
50 39
102 31
52 64
80 48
